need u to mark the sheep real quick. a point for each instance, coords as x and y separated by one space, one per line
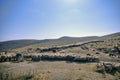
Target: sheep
117 67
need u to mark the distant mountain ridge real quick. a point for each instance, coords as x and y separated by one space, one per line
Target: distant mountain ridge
67 37
13 44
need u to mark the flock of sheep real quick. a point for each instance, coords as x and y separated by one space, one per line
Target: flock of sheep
43 55
49 57
65 57
109 67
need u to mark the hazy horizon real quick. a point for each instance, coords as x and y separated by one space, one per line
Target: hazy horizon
58 37
51 19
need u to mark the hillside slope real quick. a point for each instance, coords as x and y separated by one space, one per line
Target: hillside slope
25 44
8 45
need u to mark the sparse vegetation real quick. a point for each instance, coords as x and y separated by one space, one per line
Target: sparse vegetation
36 68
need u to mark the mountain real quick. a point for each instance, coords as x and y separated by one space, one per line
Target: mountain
14 44
78 38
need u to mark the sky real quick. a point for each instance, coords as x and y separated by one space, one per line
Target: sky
48 19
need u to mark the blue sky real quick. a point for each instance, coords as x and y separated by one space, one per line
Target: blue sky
41 19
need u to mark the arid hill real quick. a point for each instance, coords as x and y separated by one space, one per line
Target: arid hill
15 44
66 58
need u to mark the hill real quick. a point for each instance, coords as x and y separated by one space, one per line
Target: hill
14 44
111 36
78 38
37 65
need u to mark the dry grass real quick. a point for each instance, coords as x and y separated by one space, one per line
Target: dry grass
60 70
53 71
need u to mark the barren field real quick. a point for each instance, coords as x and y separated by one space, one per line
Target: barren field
46 70
63 60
